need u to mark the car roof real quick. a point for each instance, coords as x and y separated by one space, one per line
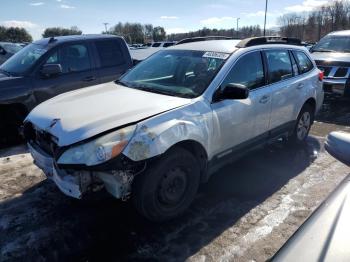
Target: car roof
70 38
341 33
224 46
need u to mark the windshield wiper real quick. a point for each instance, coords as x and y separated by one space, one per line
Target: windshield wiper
157 91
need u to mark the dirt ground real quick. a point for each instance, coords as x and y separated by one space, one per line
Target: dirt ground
244 213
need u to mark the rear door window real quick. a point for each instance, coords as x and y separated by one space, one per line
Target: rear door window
110 53
304 63
279 65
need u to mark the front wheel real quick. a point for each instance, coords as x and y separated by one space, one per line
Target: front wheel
168 188
303 125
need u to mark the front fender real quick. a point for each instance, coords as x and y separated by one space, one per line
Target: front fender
154 137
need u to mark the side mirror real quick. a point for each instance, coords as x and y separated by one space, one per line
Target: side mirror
49 70
233 91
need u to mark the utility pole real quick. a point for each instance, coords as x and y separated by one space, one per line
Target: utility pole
106 27
237 26
265 18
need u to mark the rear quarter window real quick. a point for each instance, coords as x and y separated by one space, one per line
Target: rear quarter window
110 53
304 62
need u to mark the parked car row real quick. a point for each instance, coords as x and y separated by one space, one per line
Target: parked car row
172 120
8 49
163 44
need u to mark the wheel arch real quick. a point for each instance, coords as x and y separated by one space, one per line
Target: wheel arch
311 102
198 151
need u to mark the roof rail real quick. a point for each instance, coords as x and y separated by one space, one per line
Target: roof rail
263 40
202 38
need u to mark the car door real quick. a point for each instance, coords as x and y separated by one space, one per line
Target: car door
243 122
283 82
77 72
113 59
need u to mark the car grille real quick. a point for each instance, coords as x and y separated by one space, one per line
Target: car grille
341 72
334 69
43 139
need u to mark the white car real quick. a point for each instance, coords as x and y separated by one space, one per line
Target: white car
174 119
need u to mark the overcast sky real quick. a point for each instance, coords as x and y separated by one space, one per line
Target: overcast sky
174 15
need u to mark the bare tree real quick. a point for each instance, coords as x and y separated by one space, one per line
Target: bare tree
314 25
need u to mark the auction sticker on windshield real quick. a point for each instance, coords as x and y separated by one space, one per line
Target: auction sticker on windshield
217 55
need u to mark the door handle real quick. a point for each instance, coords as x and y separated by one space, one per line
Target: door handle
300 86
264 99
89 78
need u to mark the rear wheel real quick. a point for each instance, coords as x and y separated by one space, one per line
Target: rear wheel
303 125
168 188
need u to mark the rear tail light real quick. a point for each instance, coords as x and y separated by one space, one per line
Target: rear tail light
320 76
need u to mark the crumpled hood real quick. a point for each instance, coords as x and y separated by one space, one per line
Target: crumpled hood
87 112
331 56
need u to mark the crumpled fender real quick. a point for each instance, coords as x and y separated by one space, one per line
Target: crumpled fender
156 135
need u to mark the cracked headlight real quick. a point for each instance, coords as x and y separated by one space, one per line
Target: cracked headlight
98 150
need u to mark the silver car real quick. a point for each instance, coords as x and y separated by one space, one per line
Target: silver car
170 122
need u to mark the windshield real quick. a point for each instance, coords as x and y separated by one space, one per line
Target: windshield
20 62
12 48
180 73
333 44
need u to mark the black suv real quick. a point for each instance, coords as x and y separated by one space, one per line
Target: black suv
51 66
332 56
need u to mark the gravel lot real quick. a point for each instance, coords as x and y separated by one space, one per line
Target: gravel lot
246 211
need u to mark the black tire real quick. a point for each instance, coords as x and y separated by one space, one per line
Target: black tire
301 129
168 187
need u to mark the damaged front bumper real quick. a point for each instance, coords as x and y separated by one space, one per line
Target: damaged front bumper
77 183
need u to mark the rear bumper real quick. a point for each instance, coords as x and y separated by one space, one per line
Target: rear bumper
335 86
